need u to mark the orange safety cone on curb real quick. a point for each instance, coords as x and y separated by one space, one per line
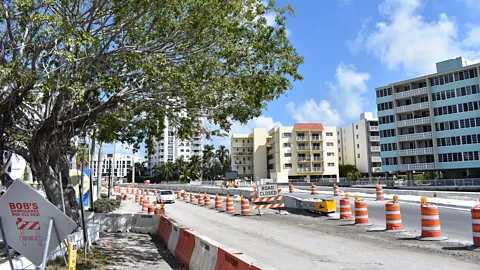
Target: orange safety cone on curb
218 202
245 207
431 230
290 188
200 201
379 191
393 216
345 209
314 190
361 212
476 225
207 199
229 205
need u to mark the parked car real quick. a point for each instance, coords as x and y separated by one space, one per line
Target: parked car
166 196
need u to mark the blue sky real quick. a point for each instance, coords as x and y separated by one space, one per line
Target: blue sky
353 46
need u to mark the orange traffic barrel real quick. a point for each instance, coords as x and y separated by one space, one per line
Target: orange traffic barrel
229 205
151 209
145 208
476 225
192 197
379 191
160 211
290 188
155 192
345 210
137 198
431 229
361 213
200 200
314 190
218 202
336 190
207 200
185 196
155 203
178 195
245 207
393 216
141 200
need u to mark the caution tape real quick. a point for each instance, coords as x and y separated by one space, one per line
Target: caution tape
273 205
267 199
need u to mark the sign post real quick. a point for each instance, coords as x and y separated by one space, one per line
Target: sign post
6 244
28 220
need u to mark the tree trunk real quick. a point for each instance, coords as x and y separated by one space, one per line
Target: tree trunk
99 170
92 154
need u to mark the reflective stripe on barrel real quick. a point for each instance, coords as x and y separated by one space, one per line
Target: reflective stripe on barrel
345 210
476 225
361 212
430 221
393 216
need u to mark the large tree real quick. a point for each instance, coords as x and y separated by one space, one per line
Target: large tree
123 66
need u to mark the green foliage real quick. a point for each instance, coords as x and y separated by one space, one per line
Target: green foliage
106 205
345 169
354 175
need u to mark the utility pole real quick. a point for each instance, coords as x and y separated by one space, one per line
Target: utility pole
133 169
114 166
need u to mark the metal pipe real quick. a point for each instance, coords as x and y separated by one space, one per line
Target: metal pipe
6 244
47 243
82 207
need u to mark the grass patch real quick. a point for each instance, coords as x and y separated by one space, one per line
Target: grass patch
100 257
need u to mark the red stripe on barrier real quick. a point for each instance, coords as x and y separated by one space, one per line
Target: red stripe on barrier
227 261
185 246
164 229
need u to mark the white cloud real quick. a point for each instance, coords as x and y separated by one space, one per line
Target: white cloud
472 39
472 4
237 127
405 39
347 99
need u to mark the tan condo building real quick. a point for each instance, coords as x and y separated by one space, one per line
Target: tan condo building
304 151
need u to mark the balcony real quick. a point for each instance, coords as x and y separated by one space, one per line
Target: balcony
412 93
272 171
374 138
271 151
412 107
271 161
245 172
414 122
417 166
243 163
416 151
249 153
270 142
373 128
303 148
304 159
302 138
376 169
375 149
242 144
316 138
309 169
376 159
317 159
415 136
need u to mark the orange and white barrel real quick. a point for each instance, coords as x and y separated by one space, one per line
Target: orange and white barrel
185 196
379 191
155 203
207 200
141 200
245 207
361 212
200 200
229 205
431 229
314 190
160 211
192 198
476 225
345 209
178 195
218 202
155 192
145 208
137 198
151 209
393 216
290 188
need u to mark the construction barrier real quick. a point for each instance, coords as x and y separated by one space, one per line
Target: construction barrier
164 229
174 236
229 205
314 190
229 258
207 199
178 195
192 198
204 254
269 206
345 209
379 192
393 216
290 188
200 201
145 223
476 225
245 207
185 246
151 210
218 202
361 212
185 197
431 229
336 190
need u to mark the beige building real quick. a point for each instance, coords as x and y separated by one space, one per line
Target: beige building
359 145
304 151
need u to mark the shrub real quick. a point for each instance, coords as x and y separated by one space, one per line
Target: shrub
105 205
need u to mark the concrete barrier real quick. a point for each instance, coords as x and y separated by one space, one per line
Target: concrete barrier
230 258
164 229
204 254
174 236
145 223
111 222
185 246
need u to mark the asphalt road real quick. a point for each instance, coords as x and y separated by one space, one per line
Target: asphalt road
455 223
309 242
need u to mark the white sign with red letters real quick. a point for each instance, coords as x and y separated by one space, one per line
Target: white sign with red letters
25 217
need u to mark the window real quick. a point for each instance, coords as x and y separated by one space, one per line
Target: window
384 92
358 155
287 165
330 154
357 136
387 133
287 134
287 154
356 126
389 161
329 134
287 145
329 143
457 124
459 156
386 119
358 145
331 164
384 106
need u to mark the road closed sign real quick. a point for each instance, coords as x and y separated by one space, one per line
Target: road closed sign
269 190
25 217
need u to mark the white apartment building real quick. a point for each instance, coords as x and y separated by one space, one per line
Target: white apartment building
173 148
16 168
359 145
123 164
304 151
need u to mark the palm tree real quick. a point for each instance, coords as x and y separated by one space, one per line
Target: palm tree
179 165
227 165
195 165
185 175
222 153
354 175
165 170
208 152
